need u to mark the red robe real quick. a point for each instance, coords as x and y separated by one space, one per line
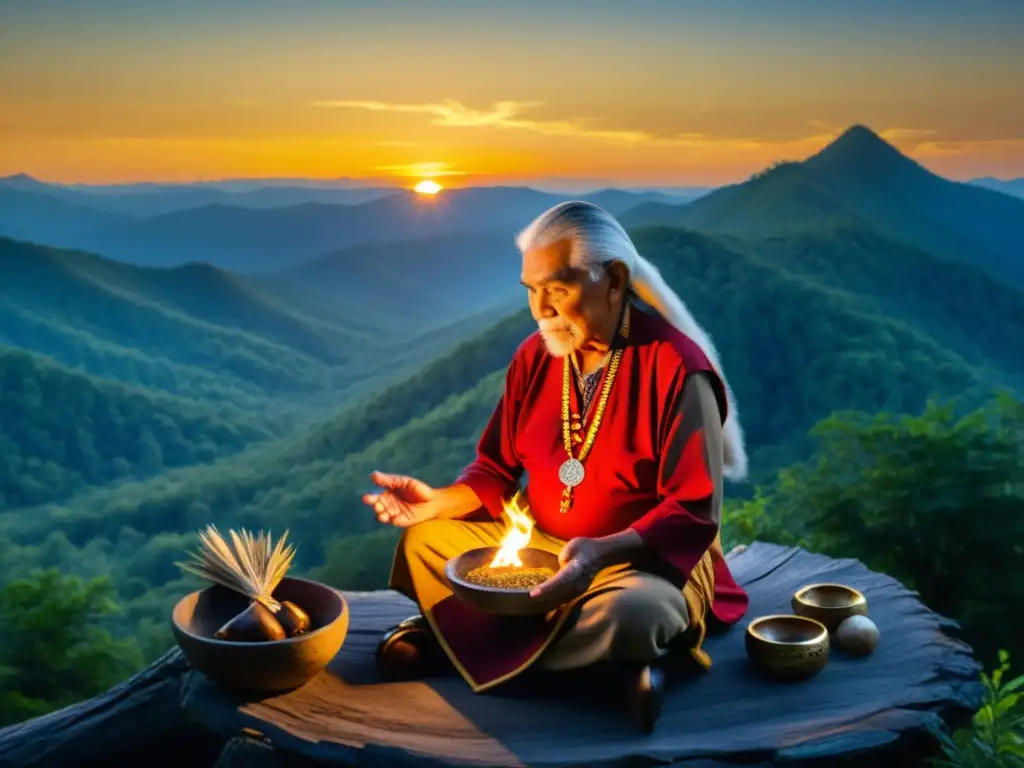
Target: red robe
628 481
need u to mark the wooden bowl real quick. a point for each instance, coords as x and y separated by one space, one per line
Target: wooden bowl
267 667
831 604
788 647
495 600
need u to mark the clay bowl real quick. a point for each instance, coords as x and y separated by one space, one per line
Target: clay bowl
267 667
495 600
787 647
831 604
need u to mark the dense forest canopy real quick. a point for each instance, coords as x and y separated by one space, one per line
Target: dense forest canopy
63 431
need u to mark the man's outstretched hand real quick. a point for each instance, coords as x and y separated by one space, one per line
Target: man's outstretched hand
580 560
404 501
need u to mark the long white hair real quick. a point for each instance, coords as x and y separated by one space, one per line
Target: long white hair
596 238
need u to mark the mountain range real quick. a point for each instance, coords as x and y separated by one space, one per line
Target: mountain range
861 181
1009 186
142 200
141 401
264 229
418 281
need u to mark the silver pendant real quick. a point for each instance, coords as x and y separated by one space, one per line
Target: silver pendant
571 473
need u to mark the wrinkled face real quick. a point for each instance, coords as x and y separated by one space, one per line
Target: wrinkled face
570 308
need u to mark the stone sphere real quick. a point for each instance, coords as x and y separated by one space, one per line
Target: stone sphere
857 635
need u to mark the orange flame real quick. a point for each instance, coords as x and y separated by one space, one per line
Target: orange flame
517 536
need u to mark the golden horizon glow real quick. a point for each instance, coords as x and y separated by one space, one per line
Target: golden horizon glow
656 94
428 187
499 156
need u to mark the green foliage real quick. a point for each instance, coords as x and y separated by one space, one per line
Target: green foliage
417 395
55 649
61 431
773 166
933 296
935 500
148 370
358 562
781 199
796 350
156 312
198 331
81 350
995 738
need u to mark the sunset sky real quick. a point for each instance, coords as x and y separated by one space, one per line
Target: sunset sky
636 92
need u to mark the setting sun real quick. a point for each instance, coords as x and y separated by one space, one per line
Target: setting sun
428 187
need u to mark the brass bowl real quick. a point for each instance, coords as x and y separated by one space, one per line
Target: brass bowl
831 604
788 647
496 600
268 667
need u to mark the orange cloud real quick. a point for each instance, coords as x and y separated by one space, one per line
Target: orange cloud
502 114
509 115
969 147
900 134
420 170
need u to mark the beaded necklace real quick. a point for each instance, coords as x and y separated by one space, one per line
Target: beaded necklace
571 472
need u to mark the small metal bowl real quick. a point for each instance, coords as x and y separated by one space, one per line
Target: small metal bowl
495 600
831 604
787 647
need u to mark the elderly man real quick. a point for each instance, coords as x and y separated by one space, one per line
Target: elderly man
621 419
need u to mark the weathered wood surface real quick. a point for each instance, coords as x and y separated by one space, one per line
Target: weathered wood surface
249 752
142 716
730 716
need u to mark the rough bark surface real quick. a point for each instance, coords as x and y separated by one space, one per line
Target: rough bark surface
876 711
142 717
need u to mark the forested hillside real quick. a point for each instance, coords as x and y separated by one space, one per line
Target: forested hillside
420 282
62 431
196 316
796 345
937 296
113 372
860 180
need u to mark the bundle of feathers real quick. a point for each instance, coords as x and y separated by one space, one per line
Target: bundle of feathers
252 566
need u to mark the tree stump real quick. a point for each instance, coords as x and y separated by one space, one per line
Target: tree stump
878 710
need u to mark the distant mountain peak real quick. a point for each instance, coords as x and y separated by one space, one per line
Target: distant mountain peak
859 151
859 132
22 181
859 139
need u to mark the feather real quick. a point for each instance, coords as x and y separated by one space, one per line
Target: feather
252 565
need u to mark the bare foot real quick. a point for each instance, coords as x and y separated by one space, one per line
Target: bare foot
736 550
